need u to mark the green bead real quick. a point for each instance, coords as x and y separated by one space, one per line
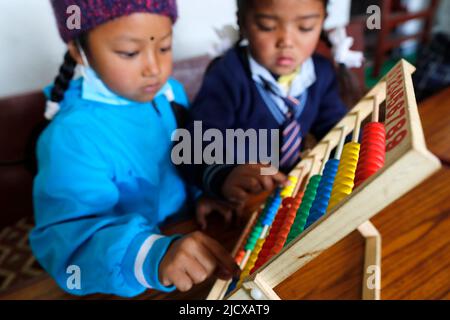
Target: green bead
305 207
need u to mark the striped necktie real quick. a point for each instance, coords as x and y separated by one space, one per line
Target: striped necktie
291 136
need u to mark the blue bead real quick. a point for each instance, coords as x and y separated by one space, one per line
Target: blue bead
320 204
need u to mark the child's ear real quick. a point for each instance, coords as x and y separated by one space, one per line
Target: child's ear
75 52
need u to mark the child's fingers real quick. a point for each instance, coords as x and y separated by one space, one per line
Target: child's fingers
251 185
182 281
228 215
279 178
196 271
269 182
225 210
222 256
233 205
222 207
266 182
204 210
202 222
237 195
201 215
206 259
209 261
188 271
166 281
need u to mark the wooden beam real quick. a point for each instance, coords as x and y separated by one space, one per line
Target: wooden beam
371 285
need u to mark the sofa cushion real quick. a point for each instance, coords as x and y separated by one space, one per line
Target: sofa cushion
20 117
21 121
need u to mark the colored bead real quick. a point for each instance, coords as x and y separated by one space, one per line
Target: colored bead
303 211
343 184
320 204
373 152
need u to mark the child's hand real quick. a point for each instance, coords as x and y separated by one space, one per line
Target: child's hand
206 205
247 179
192 259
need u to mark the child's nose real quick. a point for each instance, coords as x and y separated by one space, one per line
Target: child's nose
151 66
285 39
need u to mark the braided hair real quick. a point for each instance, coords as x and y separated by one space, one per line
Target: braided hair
62 80
349 88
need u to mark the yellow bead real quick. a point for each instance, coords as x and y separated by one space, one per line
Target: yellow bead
345 176
252 260
289 190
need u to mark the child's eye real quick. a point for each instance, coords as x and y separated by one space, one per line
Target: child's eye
127 55
303 29
166 49
265 28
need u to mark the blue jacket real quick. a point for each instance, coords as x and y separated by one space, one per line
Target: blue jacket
230 99
105 181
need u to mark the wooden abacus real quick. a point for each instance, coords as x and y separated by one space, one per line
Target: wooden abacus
329 198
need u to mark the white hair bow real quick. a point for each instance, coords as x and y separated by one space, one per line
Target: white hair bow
341 49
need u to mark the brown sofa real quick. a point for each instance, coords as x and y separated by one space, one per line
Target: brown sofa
21 120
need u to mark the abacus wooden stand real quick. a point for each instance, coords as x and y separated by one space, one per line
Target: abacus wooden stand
407 164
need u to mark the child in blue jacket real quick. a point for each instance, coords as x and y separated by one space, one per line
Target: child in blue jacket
105 177
273 82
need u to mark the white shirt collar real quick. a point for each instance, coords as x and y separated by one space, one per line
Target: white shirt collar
304 79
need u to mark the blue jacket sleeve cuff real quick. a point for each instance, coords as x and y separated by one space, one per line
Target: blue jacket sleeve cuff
143 259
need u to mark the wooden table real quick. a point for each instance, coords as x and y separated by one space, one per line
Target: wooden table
415 242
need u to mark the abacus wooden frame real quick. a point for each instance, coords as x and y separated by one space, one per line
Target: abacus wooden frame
406 165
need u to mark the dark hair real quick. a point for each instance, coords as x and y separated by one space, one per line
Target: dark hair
66 72
244 6
349 88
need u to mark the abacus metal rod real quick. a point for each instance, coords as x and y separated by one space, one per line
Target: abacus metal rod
357 129
298 172
340 146
308 174
299 181
326 156
245 259
376 109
